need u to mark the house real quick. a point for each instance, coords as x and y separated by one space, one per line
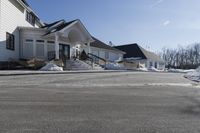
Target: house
24 36
105 51
136 57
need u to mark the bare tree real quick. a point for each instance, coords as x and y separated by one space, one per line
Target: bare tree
183 57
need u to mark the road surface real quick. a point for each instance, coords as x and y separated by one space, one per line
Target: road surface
121 102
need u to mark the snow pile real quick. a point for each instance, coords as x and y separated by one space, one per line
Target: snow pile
142 69
194 76
51 67
180 70
114 66
153 69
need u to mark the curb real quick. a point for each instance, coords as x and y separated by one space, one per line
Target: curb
64 72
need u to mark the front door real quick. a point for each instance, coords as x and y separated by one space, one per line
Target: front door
64 52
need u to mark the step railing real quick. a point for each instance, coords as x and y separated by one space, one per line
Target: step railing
51 55
97 60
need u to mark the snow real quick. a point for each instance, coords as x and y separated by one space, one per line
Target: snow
51 67
114 66
153 69
180 70
194 75
142 69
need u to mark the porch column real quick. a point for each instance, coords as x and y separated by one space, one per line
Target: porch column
89 50
56 47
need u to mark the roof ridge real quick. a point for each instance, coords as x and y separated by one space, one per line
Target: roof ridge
127 44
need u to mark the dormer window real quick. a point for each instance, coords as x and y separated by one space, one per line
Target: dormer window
30 17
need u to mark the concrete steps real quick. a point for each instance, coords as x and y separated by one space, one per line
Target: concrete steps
81 65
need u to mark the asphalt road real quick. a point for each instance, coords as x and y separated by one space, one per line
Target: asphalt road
125 102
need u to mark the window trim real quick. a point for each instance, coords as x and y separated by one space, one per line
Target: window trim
51 42
28 40
40 41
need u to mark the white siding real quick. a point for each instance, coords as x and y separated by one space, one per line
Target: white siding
12 15
33 35
113 56
102 54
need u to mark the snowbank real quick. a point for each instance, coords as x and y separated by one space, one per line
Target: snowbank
194 76
51 67
142 69
180 70
114 66
153 69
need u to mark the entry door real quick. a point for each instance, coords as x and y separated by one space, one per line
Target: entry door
64 52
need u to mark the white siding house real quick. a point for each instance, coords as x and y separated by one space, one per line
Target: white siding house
106 52
136 57
24 36
12 15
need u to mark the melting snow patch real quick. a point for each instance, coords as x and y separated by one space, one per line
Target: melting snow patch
181 70
114 66
51 67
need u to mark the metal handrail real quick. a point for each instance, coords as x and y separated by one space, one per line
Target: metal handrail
51 55
97 59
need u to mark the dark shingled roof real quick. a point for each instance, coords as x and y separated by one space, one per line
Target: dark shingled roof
58 26
135 51
99 44
51 24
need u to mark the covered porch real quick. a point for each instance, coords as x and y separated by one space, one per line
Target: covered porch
68 42
60 41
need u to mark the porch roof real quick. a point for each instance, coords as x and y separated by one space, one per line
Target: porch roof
99 44
136 51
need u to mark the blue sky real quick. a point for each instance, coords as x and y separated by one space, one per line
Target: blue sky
153 24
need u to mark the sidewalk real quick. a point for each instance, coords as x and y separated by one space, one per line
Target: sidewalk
28 72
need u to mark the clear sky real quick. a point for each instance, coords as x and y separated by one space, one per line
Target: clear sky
151 23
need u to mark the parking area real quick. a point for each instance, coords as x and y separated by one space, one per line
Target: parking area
117 102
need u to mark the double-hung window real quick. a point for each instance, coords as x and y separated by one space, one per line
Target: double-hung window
30 17
10 41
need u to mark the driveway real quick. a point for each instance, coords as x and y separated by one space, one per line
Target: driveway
118 102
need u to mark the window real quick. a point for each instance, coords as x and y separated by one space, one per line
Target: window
30 18
10 41
28 48
40 48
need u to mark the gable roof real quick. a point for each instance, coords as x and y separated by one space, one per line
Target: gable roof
99 44
136 51
57 26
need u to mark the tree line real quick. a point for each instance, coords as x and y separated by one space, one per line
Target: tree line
187 57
